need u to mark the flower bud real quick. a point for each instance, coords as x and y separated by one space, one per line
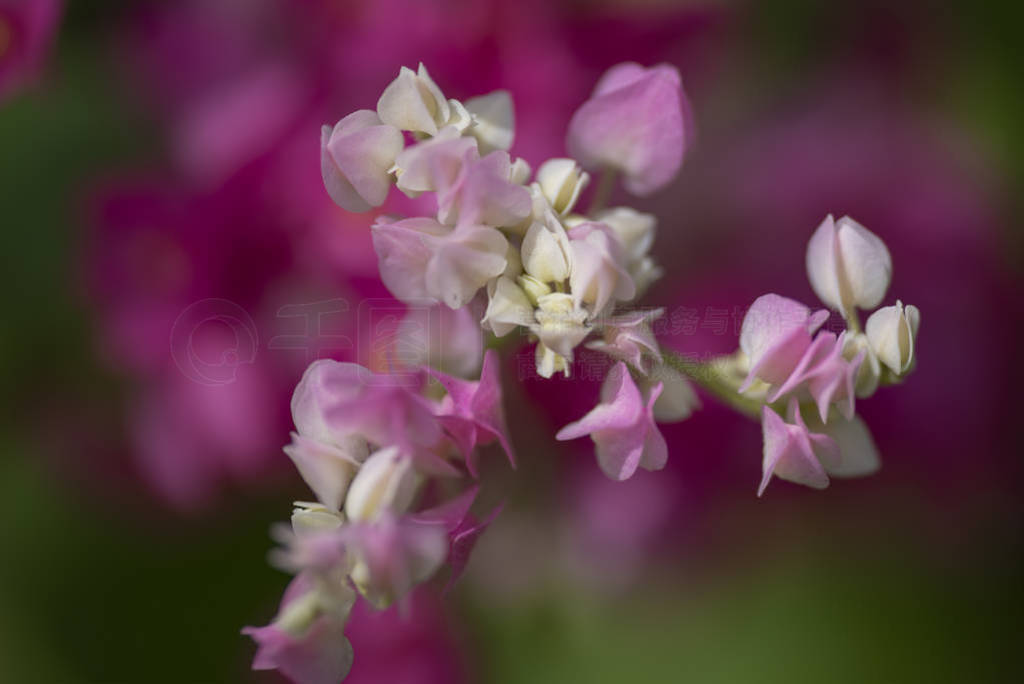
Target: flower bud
413 102
494 117
520 172
561 181
848 265
546 251
507 307
633 122
387 482
356 156
891 332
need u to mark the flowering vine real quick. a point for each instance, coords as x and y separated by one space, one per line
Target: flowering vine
388 455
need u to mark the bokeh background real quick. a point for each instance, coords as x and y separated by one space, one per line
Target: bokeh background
159 165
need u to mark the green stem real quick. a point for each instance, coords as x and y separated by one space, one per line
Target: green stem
714 377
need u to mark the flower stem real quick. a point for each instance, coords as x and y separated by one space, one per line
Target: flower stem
717 379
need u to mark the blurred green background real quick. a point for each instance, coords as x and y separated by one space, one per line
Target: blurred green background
101 584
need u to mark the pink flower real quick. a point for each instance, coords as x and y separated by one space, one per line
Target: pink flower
423 260
482 193
434 165
343 400
794 453
355 159
472 412
622 426
392 555
463 529
598 276
776 333
628 337
305 642
633 122
825 374
27 29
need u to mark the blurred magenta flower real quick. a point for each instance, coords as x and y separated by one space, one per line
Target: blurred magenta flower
27 32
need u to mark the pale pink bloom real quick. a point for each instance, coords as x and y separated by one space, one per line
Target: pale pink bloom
849 266
392 555
793 452
599 276
355 159
434 164
482 193
421 259
344 400
891 332
775 335
450 340
628 337
306 643
622 426
472 412
633 122
27 29
825 374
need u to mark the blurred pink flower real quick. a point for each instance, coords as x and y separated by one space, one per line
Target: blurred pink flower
27 32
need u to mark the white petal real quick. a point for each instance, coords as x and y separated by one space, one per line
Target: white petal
866 267
495 120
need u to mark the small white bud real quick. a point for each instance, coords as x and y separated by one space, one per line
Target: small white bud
520 172
546 251
891 332
386 482
507 307
561 181
848 265
413 102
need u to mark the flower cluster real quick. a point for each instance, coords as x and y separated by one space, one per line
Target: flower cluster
387 454
367 444
788 365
